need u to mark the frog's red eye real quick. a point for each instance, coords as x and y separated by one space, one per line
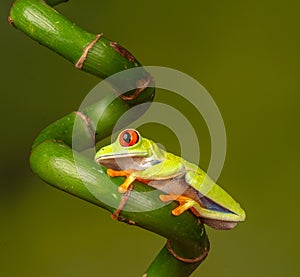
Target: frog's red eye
129 137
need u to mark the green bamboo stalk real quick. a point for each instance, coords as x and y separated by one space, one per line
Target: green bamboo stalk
53 159
105 58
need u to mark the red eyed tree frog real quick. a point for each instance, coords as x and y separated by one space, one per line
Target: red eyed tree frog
141 159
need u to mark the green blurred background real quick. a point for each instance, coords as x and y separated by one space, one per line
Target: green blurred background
246 53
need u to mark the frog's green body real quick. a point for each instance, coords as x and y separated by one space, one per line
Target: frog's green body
139 158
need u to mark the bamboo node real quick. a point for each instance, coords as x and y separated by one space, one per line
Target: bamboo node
81 60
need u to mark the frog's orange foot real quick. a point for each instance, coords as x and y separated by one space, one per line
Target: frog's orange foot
185 203
122 173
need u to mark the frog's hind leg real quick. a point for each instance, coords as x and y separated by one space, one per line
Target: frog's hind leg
185 203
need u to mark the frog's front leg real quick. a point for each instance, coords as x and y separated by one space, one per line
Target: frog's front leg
123 173
164 170
185 203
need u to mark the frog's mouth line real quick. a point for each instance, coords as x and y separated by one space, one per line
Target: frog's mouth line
122 155
123 161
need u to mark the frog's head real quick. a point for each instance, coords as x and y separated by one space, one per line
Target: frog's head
129 151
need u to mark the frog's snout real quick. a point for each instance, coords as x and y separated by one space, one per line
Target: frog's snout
99 154
102 150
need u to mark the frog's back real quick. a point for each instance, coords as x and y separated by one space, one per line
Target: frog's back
188 166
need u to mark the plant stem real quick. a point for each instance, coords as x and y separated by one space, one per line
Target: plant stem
55 160
105 58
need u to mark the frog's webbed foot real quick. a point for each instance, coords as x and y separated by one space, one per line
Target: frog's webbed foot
185 203
129 178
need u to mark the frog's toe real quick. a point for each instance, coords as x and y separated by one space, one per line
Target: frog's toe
184 205
168 197
114 173
124 187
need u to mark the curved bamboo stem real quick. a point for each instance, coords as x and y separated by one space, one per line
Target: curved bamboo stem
55 160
